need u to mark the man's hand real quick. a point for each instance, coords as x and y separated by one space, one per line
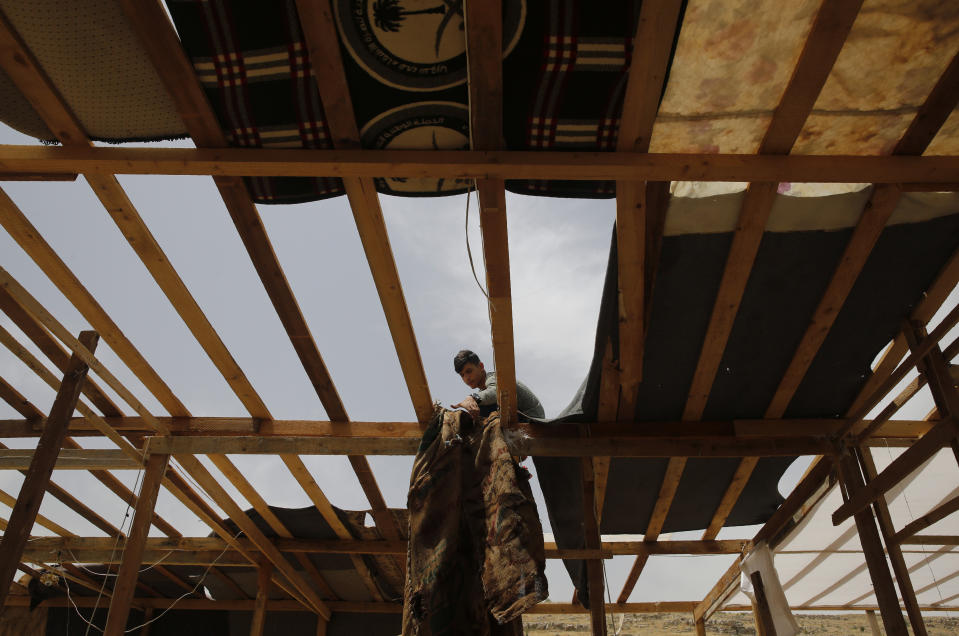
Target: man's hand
469 403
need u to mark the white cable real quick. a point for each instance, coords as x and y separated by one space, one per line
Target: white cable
77 563
912 518
171 606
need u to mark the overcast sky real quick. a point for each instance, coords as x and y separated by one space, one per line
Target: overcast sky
558 255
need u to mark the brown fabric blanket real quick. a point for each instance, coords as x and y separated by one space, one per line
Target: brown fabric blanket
476 560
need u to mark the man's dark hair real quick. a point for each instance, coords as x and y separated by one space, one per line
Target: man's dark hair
461 359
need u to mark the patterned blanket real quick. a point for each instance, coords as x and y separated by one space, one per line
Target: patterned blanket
476 560
564 73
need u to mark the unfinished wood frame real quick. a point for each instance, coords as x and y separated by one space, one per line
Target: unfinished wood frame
641 199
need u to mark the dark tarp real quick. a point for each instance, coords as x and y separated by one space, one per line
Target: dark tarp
790 274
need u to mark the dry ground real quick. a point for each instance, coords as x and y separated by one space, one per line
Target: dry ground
731 623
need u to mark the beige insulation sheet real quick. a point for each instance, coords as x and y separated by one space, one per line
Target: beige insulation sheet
734 59
91 55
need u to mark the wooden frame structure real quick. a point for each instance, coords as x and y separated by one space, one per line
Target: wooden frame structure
643 195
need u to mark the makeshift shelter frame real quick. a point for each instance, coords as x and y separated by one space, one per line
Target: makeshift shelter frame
642 199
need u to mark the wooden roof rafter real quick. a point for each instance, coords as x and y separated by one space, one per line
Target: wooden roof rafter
826 38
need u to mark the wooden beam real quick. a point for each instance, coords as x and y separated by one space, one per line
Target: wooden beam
940 103
71 459
911 459
10 501
592 541
203 477
894 432
319 30
479 164
123 588
881 204
245 488
894 552
763 615
931 539
608 446
54 352
29 238
873 552
27 506
937 514
263 573
34 308
719 592
20 404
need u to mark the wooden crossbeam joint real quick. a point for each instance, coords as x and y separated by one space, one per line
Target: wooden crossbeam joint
35 482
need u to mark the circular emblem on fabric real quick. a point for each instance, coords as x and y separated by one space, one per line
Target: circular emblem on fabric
419 126
415 45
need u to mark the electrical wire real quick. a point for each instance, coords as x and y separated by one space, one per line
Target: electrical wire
171 606
469 252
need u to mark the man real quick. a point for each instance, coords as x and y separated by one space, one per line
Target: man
469 367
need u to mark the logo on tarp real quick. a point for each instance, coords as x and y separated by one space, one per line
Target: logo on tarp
420 126
415 45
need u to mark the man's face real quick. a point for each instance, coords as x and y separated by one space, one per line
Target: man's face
473 375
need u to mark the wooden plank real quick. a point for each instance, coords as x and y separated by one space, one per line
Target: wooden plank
757 203
21 67
72 502
921 523
27 506
29 238
20 404
894 552
71 459
54 352
592 540
631 276
10 501
764 619
894 431
134 229
479 164
322 41
263 573
123 588
245 488
873 551
203 477
940 103
723 587
35 309
881 204
946 280
924 347
911 459
606 446
667 492
740 478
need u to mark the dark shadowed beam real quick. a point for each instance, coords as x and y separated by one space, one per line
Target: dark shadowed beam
125 583
322 41
484 46
25 510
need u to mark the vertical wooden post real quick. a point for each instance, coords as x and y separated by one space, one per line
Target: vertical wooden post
263 583
321 624
873 623
899 566
764 617
126 581
872 550
147 617
594 567
37 477
700 627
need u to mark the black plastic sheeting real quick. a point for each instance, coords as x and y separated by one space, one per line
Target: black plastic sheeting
790 274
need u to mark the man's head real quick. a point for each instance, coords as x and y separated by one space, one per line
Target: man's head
469 367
